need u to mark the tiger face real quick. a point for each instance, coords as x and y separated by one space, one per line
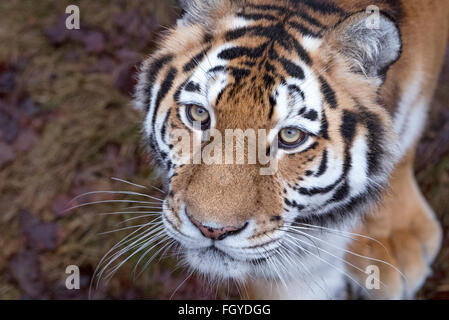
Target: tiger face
309 78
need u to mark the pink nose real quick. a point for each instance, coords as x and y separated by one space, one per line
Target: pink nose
216 233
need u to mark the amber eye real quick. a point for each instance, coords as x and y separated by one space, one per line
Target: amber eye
199 114
290 138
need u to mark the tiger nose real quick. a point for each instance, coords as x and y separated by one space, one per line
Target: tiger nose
216 233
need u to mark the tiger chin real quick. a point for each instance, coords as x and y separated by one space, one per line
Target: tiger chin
342 89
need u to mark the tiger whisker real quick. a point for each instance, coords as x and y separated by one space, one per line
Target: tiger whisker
142 257
130 227
330 264
181 284
307 270
349 233
117 192
342 259
111 273
107 201
130 183
149 213
359 255
129 238
136 241
148 262
140 247
138 185
134 218
142 207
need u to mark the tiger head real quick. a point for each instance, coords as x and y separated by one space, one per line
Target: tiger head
308 76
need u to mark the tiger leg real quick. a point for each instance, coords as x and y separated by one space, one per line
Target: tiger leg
410 238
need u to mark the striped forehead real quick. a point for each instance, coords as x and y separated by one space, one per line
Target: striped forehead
207 81
299 100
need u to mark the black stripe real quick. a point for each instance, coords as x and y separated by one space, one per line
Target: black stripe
309 19
323 7
256 16
324 126
348 126
237 52
275 33
292 69
284 10
164 126
268 7
341 193
239 73
302 52
272 105
293 204
295 89
195 60
216 69
312 115
304 30
153 71
315 191
375 136
220 95
193 87
165 88
268 81
337 216
323 165
329 93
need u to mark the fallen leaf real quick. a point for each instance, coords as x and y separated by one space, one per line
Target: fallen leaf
7 81
94 42
125 80
9 128
25 270
6 154
39 235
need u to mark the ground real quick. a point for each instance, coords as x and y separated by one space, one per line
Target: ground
67 127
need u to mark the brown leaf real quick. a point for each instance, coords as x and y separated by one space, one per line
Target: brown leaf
29 107
25 141
25 270
6 154
9 128
7 81
94 42
126 77
39 235
57 34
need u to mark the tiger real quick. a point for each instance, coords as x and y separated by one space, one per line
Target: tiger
342 89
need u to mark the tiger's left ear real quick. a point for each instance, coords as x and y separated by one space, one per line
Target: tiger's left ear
371 43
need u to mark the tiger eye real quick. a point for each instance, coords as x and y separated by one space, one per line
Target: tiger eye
291 137
198 114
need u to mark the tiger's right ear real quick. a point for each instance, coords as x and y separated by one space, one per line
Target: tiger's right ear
371 48
198 10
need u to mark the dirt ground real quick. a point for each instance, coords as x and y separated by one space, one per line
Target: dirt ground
67 127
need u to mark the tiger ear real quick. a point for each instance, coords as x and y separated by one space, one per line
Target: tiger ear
198 10
371 42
